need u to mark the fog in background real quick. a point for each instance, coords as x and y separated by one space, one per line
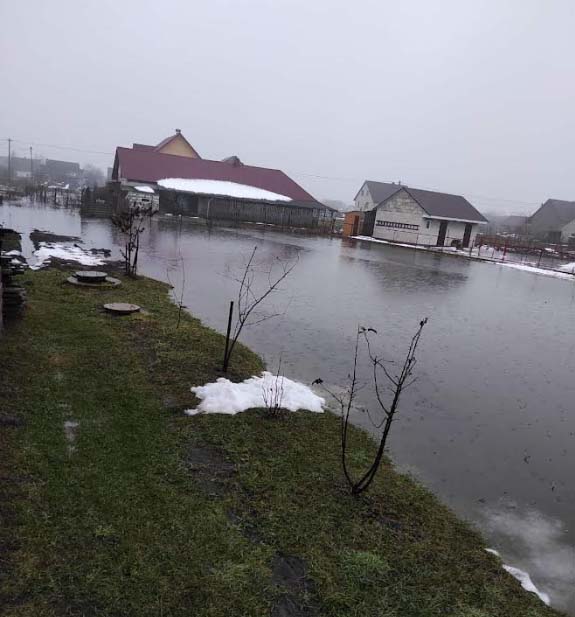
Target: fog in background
464 96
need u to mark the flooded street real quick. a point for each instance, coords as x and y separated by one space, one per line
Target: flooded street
489 425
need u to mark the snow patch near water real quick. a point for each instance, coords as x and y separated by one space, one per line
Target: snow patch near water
223 396
564 272
523 578
540 544
526 582
569 268
61 251
534 270
222 188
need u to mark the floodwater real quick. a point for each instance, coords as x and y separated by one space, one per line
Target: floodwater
489 425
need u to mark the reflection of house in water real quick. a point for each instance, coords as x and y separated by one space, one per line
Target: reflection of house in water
220 190
402 214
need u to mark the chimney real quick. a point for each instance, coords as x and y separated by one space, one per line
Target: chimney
178 131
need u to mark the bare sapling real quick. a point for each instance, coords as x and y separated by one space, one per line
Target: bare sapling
387 387
131 223
273 393
179 300
257 283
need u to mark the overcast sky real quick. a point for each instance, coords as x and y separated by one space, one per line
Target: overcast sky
464 96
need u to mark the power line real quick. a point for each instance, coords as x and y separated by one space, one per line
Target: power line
427 188
60 147
299 173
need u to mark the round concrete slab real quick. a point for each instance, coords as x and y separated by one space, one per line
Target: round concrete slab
109 281
121 308
90 276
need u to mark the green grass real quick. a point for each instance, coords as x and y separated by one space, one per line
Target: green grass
129 524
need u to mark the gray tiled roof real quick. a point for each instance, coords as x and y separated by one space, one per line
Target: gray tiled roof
380 191
442 205
447 206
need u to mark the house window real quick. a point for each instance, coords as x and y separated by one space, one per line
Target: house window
397 225
427 223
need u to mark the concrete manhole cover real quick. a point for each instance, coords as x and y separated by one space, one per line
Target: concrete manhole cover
121 308
90 276
107 281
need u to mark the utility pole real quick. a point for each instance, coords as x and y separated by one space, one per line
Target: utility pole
31 166
9 160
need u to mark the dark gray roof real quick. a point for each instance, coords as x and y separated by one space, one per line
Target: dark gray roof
19 163
444 205
62 167
554 213
514 220
380 191
435 204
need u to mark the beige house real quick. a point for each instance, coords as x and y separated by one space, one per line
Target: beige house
175 144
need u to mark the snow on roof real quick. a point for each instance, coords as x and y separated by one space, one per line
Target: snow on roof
144 189
222 188
143 166
223 396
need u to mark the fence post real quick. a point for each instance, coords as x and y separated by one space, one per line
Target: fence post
540 256
228 331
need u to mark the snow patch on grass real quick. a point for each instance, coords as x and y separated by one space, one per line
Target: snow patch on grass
61 251
224 396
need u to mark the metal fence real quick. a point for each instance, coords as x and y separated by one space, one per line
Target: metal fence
527 252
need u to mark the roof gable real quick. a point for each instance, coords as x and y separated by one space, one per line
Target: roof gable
177 140
145 166
554 213
380 191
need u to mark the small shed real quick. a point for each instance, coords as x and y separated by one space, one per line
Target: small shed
353 223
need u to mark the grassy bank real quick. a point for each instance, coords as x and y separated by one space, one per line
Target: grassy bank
114 503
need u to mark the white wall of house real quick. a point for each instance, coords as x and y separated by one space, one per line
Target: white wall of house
567 231
402 219
364 200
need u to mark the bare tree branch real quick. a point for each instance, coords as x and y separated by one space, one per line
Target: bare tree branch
249 299
130 223
389 410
